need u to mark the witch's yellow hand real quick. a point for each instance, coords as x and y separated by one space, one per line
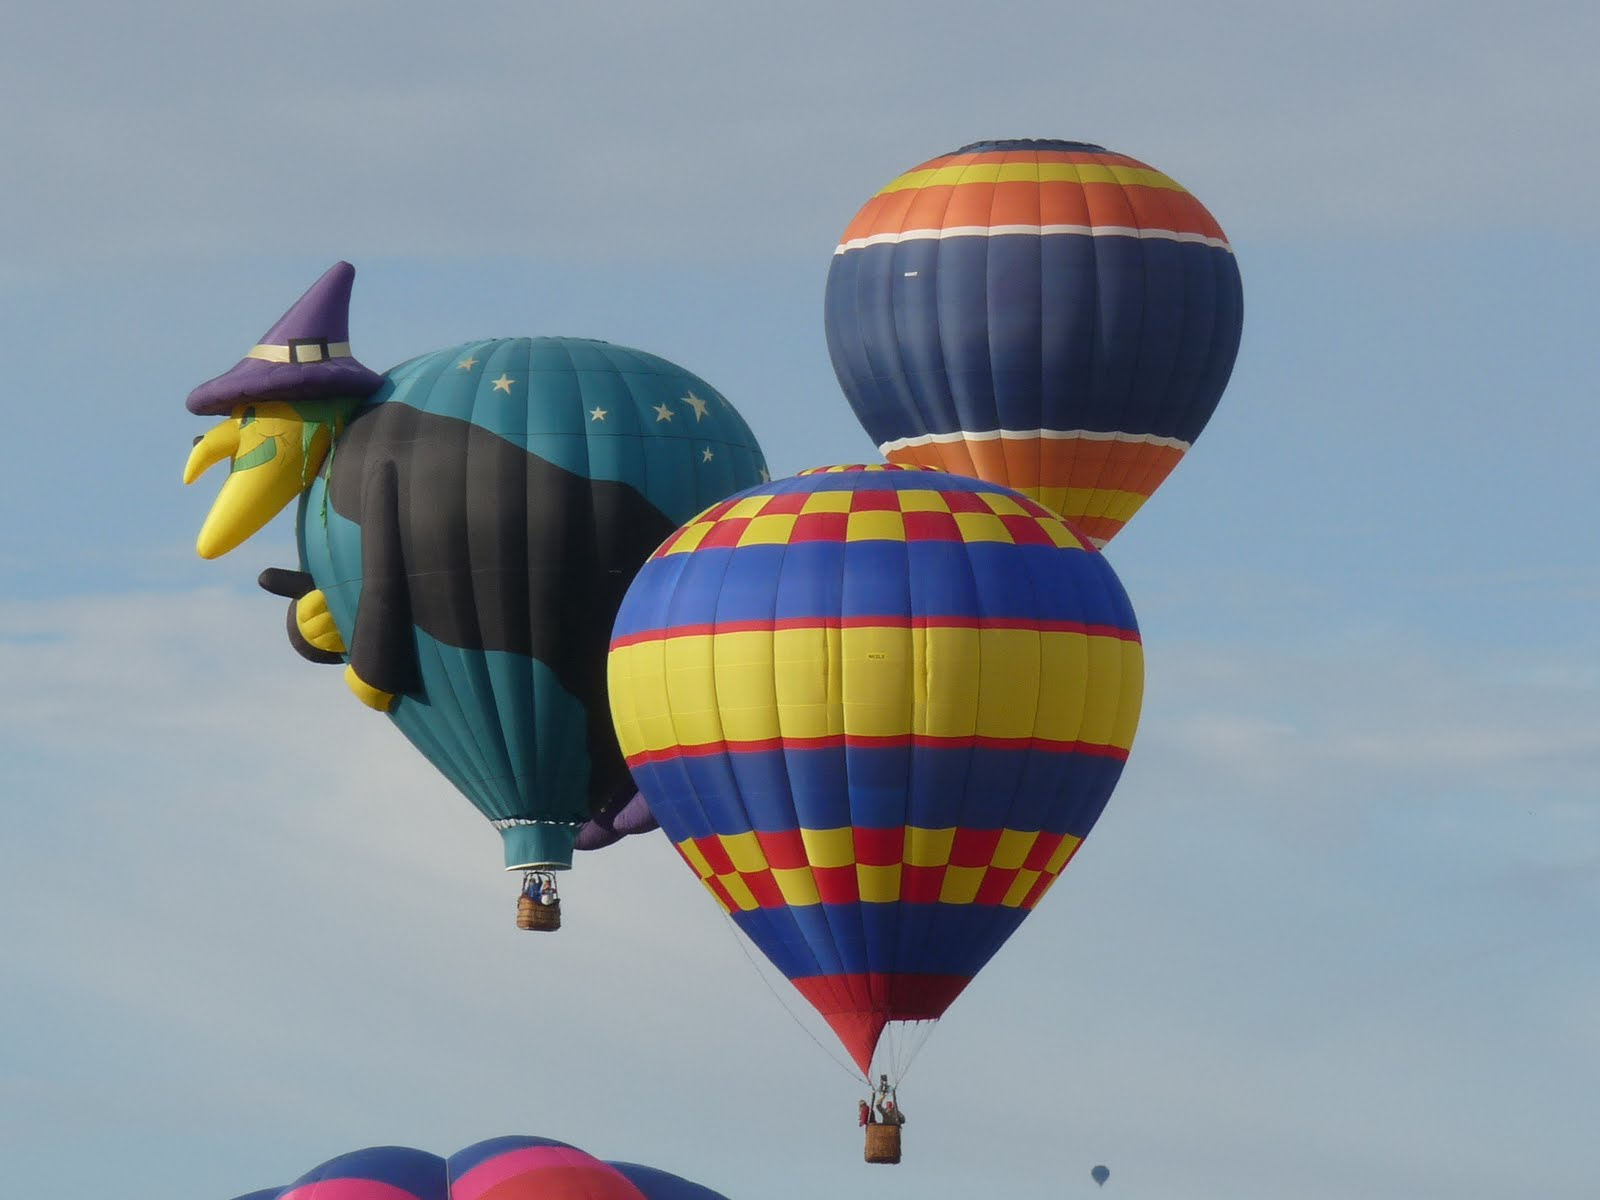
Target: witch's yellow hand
315 622
370 696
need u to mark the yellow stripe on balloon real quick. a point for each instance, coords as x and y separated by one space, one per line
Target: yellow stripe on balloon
1032 172
755 686
810 703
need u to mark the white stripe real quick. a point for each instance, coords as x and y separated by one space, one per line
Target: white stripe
1049 435
280 354
922 235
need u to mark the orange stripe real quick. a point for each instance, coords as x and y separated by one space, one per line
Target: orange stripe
1019 202
1028 464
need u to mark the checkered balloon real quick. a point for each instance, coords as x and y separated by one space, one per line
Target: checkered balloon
877 710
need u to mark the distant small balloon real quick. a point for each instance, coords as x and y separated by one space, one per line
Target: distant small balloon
1100 1175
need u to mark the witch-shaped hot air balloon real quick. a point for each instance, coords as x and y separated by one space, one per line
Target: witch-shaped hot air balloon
1048 315
877 710
468 524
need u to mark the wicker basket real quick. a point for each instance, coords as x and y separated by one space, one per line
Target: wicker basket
883 1143
533 915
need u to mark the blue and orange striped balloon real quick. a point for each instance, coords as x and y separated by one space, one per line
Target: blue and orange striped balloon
1044 314
877 710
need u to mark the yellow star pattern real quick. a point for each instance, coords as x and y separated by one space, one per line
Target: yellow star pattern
663 412
597 414
467 363
697 404
706 455
503 384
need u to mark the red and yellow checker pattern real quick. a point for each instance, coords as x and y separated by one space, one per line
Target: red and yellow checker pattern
885 514
1012 868
1043 464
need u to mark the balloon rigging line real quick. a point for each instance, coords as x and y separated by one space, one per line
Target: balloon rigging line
793 1016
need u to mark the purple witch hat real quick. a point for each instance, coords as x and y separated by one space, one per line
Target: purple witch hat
305 356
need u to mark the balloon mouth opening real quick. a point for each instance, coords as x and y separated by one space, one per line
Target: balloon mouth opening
532 845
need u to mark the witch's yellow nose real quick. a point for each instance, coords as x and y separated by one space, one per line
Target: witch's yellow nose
271 464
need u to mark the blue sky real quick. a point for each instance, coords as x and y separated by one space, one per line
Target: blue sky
1334 935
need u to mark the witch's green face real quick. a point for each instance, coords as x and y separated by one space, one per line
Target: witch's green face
276 448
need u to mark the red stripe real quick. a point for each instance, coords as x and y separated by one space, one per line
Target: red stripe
857 1007
879 621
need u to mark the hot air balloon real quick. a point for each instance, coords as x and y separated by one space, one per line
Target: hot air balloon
505 1168
1044 314
468 524
876 710
1100 1174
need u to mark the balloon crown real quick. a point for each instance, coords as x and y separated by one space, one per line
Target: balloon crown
1029 144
